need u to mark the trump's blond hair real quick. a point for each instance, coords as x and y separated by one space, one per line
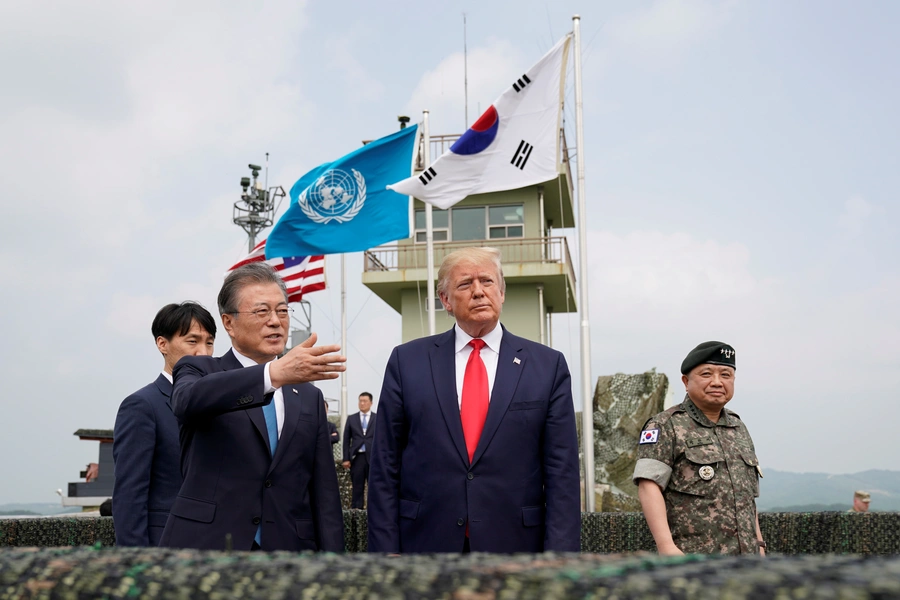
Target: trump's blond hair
472 254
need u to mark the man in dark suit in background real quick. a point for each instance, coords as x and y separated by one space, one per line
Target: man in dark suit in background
476 446
145 438
255 450
359 432
332 428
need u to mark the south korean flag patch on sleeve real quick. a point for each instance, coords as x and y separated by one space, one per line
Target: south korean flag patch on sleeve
649 436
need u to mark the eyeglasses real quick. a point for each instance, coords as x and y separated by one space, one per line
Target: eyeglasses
262 314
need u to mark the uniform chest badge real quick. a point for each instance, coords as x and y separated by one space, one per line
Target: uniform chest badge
706 472
649 436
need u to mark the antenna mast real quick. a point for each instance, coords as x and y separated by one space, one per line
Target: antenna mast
254 212
256 209
465 72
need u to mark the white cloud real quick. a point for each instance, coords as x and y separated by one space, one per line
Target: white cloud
201 82
441 90
655 295
803 357
654 269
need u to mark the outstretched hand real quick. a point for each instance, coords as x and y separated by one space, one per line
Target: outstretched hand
307 362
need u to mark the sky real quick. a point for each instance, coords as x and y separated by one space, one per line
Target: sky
741 185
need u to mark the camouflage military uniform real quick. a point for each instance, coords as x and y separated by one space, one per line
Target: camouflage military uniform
714 516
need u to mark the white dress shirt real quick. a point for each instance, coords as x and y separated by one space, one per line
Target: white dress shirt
169 377
490 355
278 398
368 416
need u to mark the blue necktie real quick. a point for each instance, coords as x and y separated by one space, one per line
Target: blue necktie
272 429
271 424
365 425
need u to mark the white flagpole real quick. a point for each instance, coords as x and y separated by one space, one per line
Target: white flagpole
429 227
587 398
344 408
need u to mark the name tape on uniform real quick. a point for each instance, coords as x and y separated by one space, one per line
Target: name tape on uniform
649 436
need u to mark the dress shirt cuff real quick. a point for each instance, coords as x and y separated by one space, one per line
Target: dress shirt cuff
267 380
655 471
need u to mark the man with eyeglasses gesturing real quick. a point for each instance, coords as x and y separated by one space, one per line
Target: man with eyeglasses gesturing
255 447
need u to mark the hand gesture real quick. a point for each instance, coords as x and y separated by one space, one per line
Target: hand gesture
307 362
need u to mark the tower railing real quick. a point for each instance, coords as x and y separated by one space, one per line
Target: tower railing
542 250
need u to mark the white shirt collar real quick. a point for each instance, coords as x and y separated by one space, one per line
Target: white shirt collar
244 360
491 339
169 377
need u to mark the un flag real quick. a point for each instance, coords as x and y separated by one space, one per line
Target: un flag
345 206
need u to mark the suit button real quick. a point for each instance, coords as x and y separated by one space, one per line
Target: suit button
460 522
256 520
268 483
470 476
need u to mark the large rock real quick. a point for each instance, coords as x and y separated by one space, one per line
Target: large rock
622 404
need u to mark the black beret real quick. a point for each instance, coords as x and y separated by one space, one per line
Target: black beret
711 353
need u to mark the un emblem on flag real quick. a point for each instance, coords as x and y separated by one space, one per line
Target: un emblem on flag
335 196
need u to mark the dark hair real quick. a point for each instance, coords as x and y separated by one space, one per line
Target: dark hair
367 394
258 272
176 319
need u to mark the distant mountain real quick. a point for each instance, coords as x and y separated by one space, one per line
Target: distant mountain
36 508
796 491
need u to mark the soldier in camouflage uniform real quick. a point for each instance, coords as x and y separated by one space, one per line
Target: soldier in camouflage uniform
697 472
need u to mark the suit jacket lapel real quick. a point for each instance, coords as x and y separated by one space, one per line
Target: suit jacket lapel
292 412
505 382
443 371
230 362
165 388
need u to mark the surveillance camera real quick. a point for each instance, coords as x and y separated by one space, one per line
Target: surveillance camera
254 167
245 182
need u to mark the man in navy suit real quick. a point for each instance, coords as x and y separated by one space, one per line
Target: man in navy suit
476 448
255 450
145 438
359 432
332 428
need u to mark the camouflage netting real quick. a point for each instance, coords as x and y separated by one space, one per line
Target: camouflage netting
164 573
785 533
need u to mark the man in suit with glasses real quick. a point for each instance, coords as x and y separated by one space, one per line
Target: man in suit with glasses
255 450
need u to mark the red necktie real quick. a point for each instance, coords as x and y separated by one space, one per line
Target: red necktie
474 408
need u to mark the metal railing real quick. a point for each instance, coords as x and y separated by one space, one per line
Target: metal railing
544 250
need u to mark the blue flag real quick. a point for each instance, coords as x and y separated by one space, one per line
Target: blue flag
345 206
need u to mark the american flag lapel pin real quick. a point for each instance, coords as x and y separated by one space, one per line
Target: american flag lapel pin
516 361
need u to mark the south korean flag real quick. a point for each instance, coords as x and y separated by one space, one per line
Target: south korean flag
649 436
514 144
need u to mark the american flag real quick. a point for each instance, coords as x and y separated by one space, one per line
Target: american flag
301 274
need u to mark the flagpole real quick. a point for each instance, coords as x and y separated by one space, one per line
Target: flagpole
344 408
587 398
429 227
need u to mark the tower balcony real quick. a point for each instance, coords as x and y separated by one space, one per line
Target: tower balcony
389 271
